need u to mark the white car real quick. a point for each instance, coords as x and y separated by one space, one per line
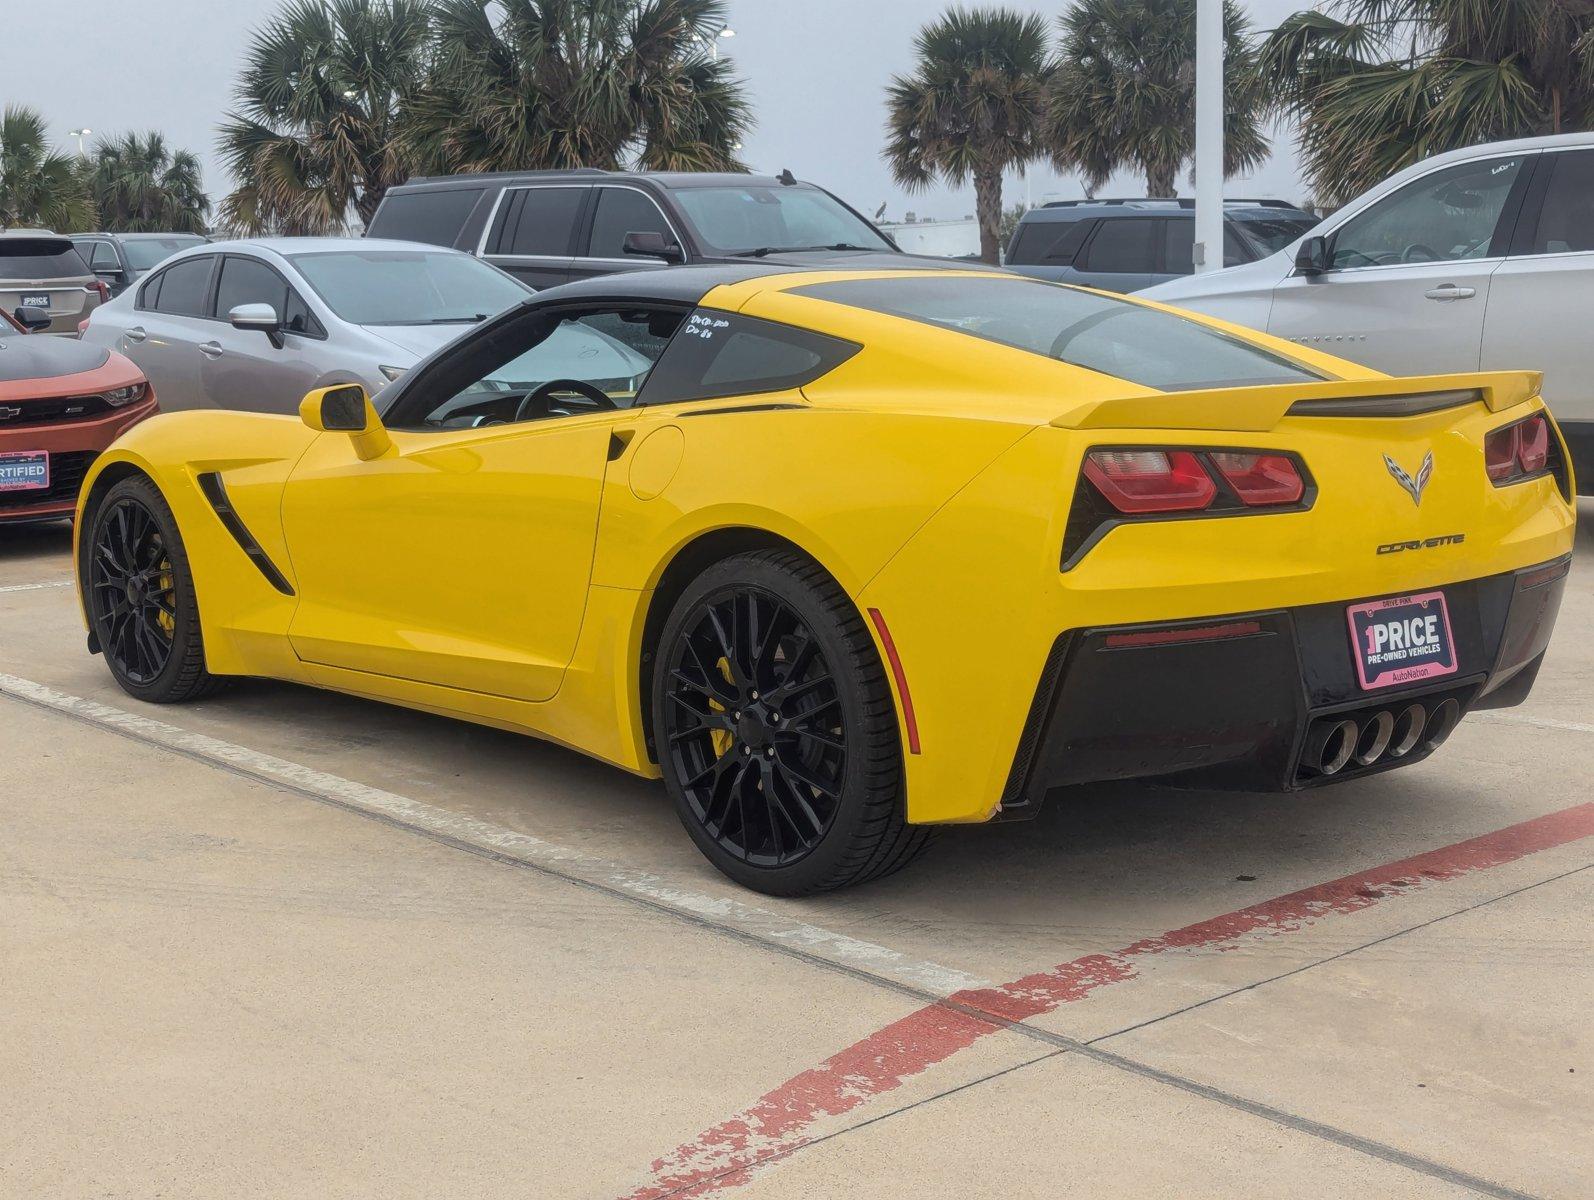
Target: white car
1481 258
255 324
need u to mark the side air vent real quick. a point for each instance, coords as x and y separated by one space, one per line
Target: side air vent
210 484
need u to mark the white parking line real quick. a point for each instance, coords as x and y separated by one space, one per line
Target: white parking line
1500 718
719 911
34 587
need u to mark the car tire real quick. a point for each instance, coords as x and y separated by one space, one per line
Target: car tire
139 594
784 802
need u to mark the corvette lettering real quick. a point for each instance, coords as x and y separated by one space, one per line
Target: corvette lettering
1444 539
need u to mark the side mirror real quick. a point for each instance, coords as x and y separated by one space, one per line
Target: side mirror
260 317
1311 257
345 408
650 243
32 319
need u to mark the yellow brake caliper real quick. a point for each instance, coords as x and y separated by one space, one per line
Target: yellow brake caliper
721 739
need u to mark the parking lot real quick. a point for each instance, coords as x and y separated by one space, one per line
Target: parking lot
287 943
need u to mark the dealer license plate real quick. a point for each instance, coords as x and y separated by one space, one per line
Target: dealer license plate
24 471
1401 640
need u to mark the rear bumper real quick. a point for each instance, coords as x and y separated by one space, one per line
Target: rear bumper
1259 705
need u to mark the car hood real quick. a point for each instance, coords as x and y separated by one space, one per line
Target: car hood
865 260
1263 273
40 356
417 341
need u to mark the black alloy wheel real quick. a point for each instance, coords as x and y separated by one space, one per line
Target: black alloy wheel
140 595
776 730
134 595
754 729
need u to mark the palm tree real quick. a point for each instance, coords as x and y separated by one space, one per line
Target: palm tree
38 185
139 186
1386 83
321 96
579 83
973 108
1123 95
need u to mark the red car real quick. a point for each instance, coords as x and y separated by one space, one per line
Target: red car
61 403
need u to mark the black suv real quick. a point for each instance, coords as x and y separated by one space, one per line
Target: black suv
1126 245
118 259
550 227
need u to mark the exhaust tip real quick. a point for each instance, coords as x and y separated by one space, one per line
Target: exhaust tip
1407 730
1374 739
1440 722
1330 746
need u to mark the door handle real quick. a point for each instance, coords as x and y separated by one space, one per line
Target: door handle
1449 291
210 349
135 334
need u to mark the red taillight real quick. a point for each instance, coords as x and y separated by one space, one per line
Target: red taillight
1500 453
1150 481
1518 451
1261 479
99 288
82 327
1533 445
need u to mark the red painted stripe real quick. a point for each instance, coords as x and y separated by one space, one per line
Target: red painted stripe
908 719
724 1156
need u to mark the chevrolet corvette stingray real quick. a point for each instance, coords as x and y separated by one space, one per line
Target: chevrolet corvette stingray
845 555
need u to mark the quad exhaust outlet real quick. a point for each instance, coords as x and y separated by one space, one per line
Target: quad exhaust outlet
1364 739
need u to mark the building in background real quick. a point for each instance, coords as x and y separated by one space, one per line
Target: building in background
939 239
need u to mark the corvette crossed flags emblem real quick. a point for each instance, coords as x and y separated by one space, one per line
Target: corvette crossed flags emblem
1413 486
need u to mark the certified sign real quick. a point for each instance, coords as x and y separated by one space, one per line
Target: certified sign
24 471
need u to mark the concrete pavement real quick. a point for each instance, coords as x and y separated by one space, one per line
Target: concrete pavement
218 981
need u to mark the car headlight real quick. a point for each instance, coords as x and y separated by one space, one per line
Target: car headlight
122 397
392 372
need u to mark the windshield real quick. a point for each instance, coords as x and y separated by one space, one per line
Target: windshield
408 287
749 217
144 253
1270 233
1085 329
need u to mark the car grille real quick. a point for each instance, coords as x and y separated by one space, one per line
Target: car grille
66 477
54 411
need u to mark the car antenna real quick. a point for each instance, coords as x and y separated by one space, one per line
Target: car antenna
786 178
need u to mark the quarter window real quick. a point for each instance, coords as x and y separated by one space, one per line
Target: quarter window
426 216
1566 221
103 257
1052 243
621 211
718 354
1449 216
541 222
184 287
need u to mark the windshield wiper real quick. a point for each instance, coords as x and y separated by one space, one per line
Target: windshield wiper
461 320
764 251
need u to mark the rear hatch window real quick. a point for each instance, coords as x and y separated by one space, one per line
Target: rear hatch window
40 258
1084 329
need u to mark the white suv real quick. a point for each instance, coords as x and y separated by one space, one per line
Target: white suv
1481 258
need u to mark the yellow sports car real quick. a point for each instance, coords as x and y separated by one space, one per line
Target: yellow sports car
845 555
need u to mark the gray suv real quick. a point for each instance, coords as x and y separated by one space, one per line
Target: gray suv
552 227
43 276
1126 245
121 259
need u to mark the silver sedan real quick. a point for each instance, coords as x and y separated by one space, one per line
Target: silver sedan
255 324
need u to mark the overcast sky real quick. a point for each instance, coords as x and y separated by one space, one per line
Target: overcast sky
816 70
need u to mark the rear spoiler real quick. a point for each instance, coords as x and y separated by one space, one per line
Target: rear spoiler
1259 409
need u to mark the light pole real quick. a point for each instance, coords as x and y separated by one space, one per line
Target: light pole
1209 136
713 40
80 134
